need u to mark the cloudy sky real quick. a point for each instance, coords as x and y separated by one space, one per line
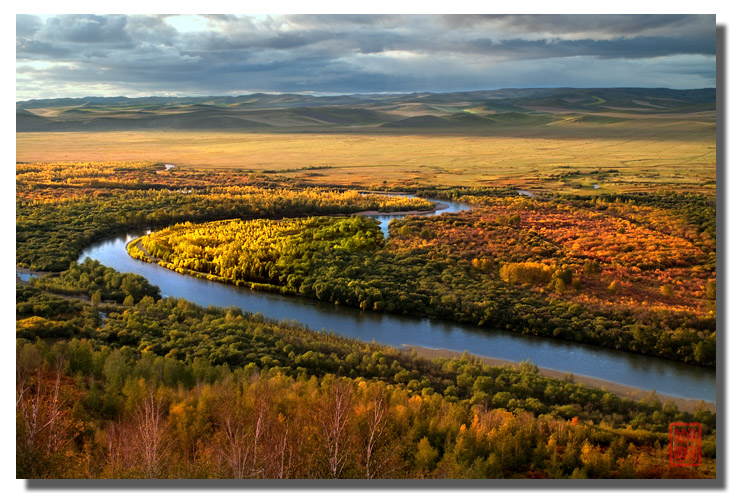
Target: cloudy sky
142 55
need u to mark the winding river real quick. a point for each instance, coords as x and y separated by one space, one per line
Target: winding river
643 372
442 207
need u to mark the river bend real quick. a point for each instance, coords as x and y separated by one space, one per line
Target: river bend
640 371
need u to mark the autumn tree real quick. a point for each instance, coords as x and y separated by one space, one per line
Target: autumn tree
334 425
151 430
44 423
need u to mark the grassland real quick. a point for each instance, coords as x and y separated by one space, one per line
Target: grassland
554 158
563 140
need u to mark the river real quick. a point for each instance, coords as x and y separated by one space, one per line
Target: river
442 207
643 372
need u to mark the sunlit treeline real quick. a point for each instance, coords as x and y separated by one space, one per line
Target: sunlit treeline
540 267
55 219
83 414
263 251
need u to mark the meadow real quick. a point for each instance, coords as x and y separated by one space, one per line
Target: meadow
536 158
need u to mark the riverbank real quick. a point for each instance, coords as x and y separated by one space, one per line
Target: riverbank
23 275
633 393
86 298
631 369
439 207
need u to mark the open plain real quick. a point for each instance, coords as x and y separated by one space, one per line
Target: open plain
641 163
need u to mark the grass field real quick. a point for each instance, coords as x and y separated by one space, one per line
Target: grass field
555 162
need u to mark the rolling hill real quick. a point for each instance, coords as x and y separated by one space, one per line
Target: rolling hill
458 111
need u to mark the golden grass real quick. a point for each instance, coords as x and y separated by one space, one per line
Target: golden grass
644 162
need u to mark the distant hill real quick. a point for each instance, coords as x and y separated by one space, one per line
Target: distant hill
477 110
25 121
426 121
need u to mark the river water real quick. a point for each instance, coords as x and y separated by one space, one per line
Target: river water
442 207
644 372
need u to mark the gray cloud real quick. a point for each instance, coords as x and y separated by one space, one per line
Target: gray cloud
85 29
150 29
608 25
29 48
619 48
144 54
27 25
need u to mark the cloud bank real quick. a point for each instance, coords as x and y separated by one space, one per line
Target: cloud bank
134 55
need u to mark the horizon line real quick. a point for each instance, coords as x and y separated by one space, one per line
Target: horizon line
326 94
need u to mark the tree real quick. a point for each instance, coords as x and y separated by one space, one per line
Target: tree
44 423
335 418
151 428
591 267
426 456
378 451
234 435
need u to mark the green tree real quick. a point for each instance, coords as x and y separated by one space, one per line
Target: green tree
426 455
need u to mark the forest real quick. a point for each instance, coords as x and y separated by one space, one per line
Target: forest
612 272
214 392
63 207
115 381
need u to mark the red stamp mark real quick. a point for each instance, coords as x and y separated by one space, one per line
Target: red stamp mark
685 444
